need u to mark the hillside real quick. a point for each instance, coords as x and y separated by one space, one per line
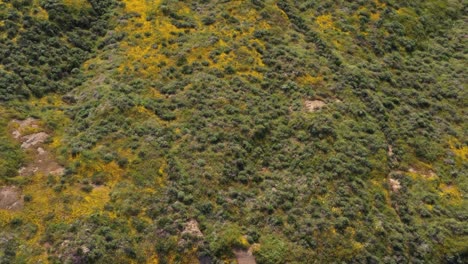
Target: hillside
164 131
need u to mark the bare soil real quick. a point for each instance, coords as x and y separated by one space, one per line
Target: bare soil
11 198
41 160
44 163
244 256
314 105
33 140
425 173
395 185
22 125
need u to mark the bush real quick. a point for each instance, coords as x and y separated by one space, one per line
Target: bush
229 238
272 250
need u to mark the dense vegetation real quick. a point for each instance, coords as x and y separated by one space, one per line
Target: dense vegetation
163 112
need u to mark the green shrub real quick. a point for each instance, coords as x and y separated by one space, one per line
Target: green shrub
272 250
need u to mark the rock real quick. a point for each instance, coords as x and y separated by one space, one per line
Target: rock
428 174
192 229
41 161
21 170
28 122
40 151
11 198
58 172
22 125
395 185
34 139
16 134
85 249
314 105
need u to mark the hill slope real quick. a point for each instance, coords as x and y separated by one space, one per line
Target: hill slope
305 131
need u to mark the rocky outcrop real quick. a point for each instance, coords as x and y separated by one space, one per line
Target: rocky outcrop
11 198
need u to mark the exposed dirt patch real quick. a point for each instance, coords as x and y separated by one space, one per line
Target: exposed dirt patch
244 256
394 185
314 105
428 174
32 138
44 163
21 127
11 198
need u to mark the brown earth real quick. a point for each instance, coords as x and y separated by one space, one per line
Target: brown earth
42 161
244 256
423 172
21 126
314 105
395 185
33 140
11 198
